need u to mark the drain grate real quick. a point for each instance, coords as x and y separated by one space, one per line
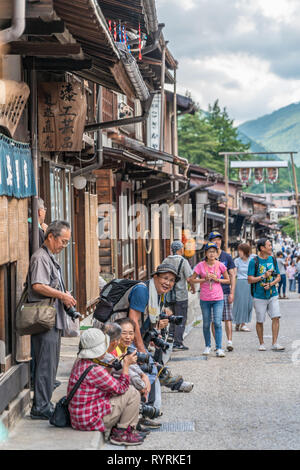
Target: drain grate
178 426
197 358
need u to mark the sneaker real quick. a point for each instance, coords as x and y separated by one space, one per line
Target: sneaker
45 414
150 423
206 351
262 347
127 437
277 347
180 347
186 387
244 328
229 346
220 353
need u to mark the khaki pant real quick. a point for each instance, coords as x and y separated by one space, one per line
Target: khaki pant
124 409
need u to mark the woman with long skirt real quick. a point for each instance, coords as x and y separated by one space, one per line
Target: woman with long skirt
242 306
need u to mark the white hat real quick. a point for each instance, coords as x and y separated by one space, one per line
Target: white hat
93 343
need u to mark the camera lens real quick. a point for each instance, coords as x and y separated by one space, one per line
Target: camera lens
72 313
149 411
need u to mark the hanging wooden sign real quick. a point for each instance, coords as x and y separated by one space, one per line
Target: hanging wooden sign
245 174
13 98
61 116
272 174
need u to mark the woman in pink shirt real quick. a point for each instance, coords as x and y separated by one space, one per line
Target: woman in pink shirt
210 274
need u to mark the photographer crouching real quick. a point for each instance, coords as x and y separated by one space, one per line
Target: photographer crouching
45 281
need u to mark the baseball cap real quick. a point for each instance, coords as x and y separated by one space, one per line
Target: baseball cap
213 235
210 245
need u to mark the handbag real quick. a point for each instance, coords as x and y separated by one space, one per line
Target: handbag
171 295
61 415
33 318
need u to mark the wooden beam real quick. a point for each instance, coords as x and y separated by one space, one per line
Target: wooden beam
38 27
43 48
63 65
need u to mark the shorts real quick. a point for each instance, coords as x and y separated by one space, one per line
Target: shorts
262 306
227 311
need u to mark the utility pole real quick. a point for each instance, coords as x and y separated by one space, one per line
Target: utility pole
226 204
296 191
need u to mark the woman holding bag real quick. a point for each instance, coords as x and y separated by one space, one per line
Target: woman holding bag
210 274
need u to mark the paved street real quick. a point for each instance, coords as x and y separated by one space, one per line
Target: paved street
247 400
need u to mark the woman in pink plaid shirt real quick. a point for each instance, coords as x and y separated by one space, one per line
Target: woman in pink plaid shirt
102 401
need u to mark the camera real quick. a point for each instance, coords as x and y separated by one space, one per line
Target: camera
176 320
142 358
146 368
72 313
116 364
153 335
149 411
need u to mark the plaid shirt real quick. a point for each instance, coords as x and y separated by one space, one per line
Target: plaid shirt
91 401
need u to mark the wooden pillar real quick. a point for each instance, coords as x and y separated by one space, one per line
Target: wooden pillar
227 204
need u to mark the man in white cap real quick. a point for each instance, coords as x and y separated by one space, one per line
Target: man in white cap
180 299
102 401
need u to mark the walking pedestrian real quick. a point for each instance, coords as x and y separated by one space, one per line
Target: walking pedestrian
243 304
44 281
291 274
180 303
228 288
263 274
282 265
212 275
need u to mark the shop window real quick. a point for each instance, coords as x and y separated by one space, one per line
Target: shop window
7 310
127 237
61 209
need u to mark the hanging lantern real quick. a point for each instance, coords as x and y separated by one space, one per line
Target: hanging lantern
109 26
258 175
245 175
140 43
115 31
272 175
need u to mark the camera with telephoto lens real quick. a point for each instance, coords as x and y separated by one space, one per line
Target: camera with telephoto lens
72 313
149 411
146 368
142 358
175 319
116 364
153 335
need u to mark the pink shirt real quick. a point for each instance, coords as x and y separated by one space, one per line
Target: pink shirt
210 290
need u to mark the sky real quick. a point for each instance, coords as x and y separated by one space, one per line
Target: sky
246 53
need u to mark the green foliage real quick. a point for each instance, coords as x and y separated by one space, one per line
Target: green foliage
288 226
203 135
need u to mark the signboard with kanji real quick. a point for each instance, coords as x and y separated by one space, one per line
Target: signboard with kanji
153 130
61 115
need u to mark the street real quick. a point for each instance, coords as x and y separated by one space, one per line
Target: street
247 400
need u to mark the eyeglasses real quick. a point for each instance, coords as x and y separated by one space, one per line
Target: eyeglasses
165 279
64 242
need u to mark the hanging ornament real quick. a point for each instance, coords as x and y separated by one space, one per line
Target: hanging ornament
123 35
120 32
128 46
258 175
109 25
272 175
245 175
140 43
115 31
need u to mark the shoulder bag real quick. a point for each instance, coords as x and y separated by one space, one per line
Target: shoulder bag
61 415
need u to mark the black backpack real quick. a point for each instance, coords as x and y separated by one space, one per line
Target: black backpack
253 286
113 301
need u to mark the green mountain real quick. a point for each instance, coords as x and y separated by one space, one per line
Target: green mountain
278 131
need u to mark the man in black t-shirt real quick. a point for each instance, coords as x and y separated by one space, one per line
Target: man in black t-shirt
228 290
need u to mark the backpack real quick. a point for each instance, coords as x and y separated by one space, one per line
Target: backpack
256 261
113 302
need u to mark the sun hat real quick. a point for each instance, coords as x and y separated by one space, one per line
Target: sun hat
176 246
210 245
213 235
166 268
93 343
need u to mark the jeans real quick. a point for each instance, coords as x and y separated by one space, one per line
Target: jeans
282 283
216 306
292 283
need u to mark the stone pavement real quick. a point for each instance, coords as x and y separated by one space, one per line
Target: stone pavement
247 400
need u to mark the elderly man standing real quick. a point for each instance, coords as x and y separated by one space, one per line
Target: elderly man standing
44 281
180 307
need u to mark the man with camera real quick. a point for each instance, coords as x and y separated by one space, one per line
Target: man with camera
45 281
263 275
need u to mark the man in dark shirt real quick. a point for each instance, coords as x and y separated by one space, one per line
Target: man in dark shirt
228 290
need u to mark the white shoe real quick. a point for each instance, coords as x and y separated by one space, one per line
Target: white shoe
277 347
244 328
262 347
206 351
220 353
229 346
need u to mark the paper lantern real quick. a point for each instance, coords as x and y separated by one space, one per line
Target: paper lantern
258 175
272 175
245 174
